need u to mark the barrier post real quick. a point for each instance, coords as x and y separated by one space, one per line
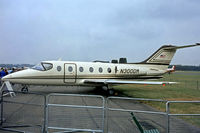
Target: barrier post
167 116
1 108
45 115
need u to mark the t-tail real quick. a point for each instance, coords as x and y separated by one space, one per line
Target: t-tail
164 55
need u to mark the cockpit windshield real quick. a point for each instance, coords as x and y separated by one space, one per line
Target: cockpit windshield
43 66
38 67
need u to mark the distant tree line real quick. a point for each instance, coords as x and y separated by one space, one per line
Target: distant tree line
15 65
186 68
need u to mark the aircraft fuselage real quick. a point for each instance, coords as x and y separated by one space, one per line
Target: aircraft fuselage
73 73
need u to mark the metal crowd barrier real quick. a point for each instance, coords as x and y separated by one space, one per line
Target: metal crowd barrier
74 114
115 106
170 114
87 113
28 114
158 119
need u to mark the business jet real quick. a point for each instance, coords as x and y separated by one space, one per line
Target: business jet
99 73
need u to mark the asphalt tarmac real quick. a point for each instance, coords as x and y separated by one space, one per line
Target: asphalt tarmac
25 112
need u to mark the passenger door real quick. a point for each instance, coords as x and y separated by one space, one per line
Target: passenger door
70 73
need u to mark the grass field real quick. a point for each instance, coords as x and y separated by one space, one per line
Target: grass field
188 89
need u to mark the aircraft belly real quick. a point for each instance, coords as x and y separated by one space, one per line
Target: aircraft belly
38 81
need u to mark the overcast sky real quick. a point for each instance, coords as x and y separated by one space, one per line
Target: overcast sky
85 30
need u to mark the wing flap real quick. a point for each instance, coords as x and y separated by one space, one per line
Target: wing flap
115 81
94 81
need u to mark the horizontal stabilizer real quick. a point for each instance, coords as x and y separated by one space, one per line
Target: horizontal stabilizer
185 46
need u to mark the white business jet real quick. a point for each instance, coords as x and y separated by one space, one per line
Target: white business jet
98 74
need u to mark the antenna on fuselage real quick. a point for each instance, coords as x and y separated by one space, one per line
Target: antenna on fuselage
60 59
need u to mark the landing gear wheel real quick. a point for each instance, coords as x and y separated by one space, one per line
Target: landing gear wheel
24 89
111 92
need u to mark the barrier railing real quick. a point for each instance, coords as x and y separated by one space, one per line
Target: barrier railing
182 125
75 114
27 114
148 115
33 112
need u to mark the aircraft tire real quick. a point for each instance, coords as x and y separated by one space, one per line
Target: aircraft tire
111 92
24 89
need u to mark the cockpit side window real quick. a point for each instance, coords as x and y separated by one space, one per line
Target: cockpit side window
47 66
43 66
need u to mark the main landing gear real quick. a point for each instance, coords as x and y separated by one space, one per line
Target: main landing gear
24 89
110 91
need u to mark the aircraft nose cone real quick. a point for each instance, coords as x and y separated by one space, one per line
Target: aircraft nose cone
6 78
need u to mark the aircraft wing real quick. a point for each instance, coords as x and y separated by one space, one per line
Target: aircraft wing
117 81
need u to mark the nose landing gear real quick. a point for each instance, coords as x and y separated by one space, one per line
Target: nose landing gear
24 89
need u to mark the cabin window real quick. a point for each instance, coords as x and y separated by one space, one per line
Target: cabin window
109 70
70 69
100 70
59 68
81 69
91 69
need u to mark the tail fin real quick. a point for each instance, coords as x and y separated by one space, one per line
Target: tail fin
164 55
